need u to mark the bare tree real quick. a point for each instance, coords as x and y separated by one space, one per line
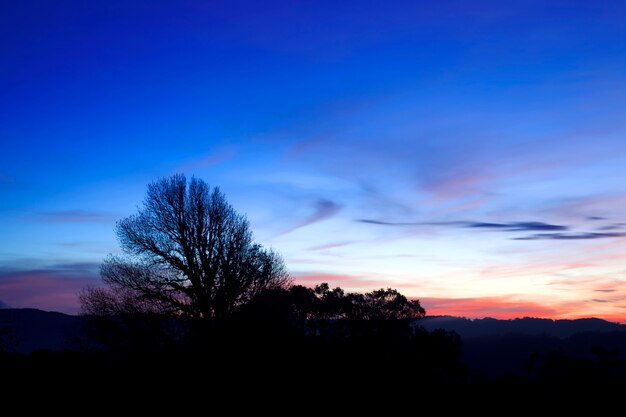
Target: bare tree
188 252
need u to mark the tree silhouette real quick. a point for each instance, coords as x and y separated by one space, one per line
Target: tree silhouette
390 304
382 304
186 252
322 303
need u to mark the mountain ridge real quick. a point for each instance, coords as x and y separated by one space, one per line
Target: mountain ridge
561 328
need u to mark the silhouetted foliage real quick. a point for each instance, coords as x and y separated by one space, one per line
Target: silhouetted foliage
311 306
187 253
342 331
324 303
7 338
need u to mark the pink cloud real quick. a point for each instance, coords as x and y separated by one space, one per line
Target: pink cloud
303 146
46 289
459 184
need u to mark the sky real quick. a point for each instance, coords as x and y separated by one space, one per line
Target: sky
471 154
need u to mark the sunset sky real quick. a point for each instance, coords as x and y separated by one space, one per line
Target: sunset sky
471 154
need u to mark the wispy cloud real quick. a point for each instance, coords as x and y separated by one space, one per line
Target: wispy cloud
597 300
215 158
581 207
570 236
330 245
458 184
518 226
75 216
301 147
322 209
615 226
389 223
605 290
53 288
526 226
505 227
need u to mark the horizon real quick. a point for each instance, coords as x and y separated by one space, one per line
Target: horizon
427 316
471 155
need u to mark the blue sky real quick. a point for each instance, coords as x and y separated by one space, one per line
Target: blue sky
471 154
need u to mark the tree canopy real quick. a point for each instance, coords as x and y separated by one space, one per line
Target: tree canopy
325 303
186 251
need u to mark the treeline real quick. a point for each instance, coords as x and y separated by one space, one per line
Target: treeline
290 323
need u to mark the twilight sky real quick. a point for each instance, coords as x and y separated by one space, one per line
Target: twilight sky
469 153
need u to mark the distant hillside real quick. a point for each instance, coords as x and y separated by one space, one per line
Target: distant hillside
468 328
498 347
25 330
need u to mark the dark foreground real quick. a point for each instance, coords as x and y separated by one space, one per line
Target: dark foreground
311 379
265 363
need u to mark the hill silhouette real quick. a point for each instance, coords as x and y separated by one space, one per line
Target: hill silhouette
27 330
523 346
469 328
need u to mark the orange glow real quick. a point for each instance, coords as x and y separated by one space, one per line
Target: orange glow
508 308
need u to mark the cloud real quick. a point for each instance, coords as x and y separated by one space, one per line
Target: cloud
504 227
76 267
54 288
75 216
528 226
330 245
322 209
209 160
518 226
458 184
604 290
596 300
582 206
384 223
301 147
387 223
570 236
617 226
